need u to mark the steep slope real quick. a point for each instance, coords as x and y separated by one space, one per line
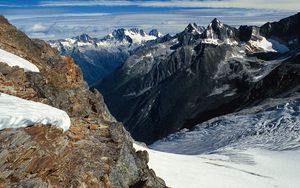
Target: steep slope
99 57
200 74
96 151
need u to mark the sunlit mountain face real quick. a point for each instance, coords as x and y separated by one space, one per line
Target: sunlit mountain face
54 19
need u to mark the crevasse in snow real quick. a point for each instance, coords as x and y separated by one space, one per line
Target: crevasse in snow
13 60
16 113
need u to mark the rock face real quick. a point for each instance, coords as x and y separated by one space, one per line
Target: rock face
202 73
99 57
95 152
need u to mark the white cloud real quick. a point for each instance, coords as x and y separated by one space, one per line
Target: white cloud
87 3
38 27
37 15
292 5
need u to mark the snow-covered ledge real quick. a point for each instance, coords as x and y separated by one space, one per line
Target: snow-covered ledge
16 113
13 60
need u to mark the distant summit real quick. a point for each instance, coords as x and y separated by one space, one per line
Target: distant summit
98 57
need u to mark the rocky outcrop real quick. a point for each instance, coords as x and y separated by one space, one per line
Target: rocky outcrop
95 152
199 74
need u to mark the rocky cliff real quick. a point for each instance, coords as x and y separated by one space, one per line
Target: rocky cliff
95 152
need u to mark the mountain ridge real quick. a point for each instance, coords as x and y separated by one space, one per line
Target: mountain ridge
194 76
98 57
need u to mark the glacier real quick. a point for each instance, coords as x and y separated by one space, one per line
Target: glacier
255 147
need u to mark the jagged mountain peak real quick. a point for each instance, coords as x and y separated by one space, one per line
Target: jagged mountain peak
132 35
191 27
123 31
194 28
190 34
156 33
137 31
118 33
215 23
216 30
84 38
97 57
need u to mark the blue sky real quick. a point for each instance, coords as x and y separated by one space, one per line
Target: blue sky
51 19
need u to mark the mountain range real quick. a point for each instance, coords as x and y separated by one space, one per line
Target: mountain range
201 73
97 58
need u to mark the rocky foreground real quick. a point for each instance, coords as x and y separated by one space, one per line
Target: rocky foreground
95 152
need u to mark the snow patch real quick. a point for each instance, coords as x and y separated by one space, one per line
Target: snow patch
219 42
13 60
16 113
139 93
269 45
80 44
264 44
220 90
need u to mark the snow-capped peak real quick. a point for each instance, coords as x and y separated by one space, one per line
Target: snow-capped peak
193 28
156 33
119 38
84 38
217 32
133 35
215 23
214 29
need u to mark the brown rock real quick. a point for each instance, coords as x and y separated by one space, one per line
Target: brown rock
93 127
95 152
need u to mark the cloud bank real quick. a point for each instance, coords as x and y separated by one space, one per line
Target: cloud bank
98 25
52 19
292 5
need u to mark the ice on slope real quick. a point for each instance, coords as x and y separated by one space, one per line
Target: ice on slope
16 113
13 60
